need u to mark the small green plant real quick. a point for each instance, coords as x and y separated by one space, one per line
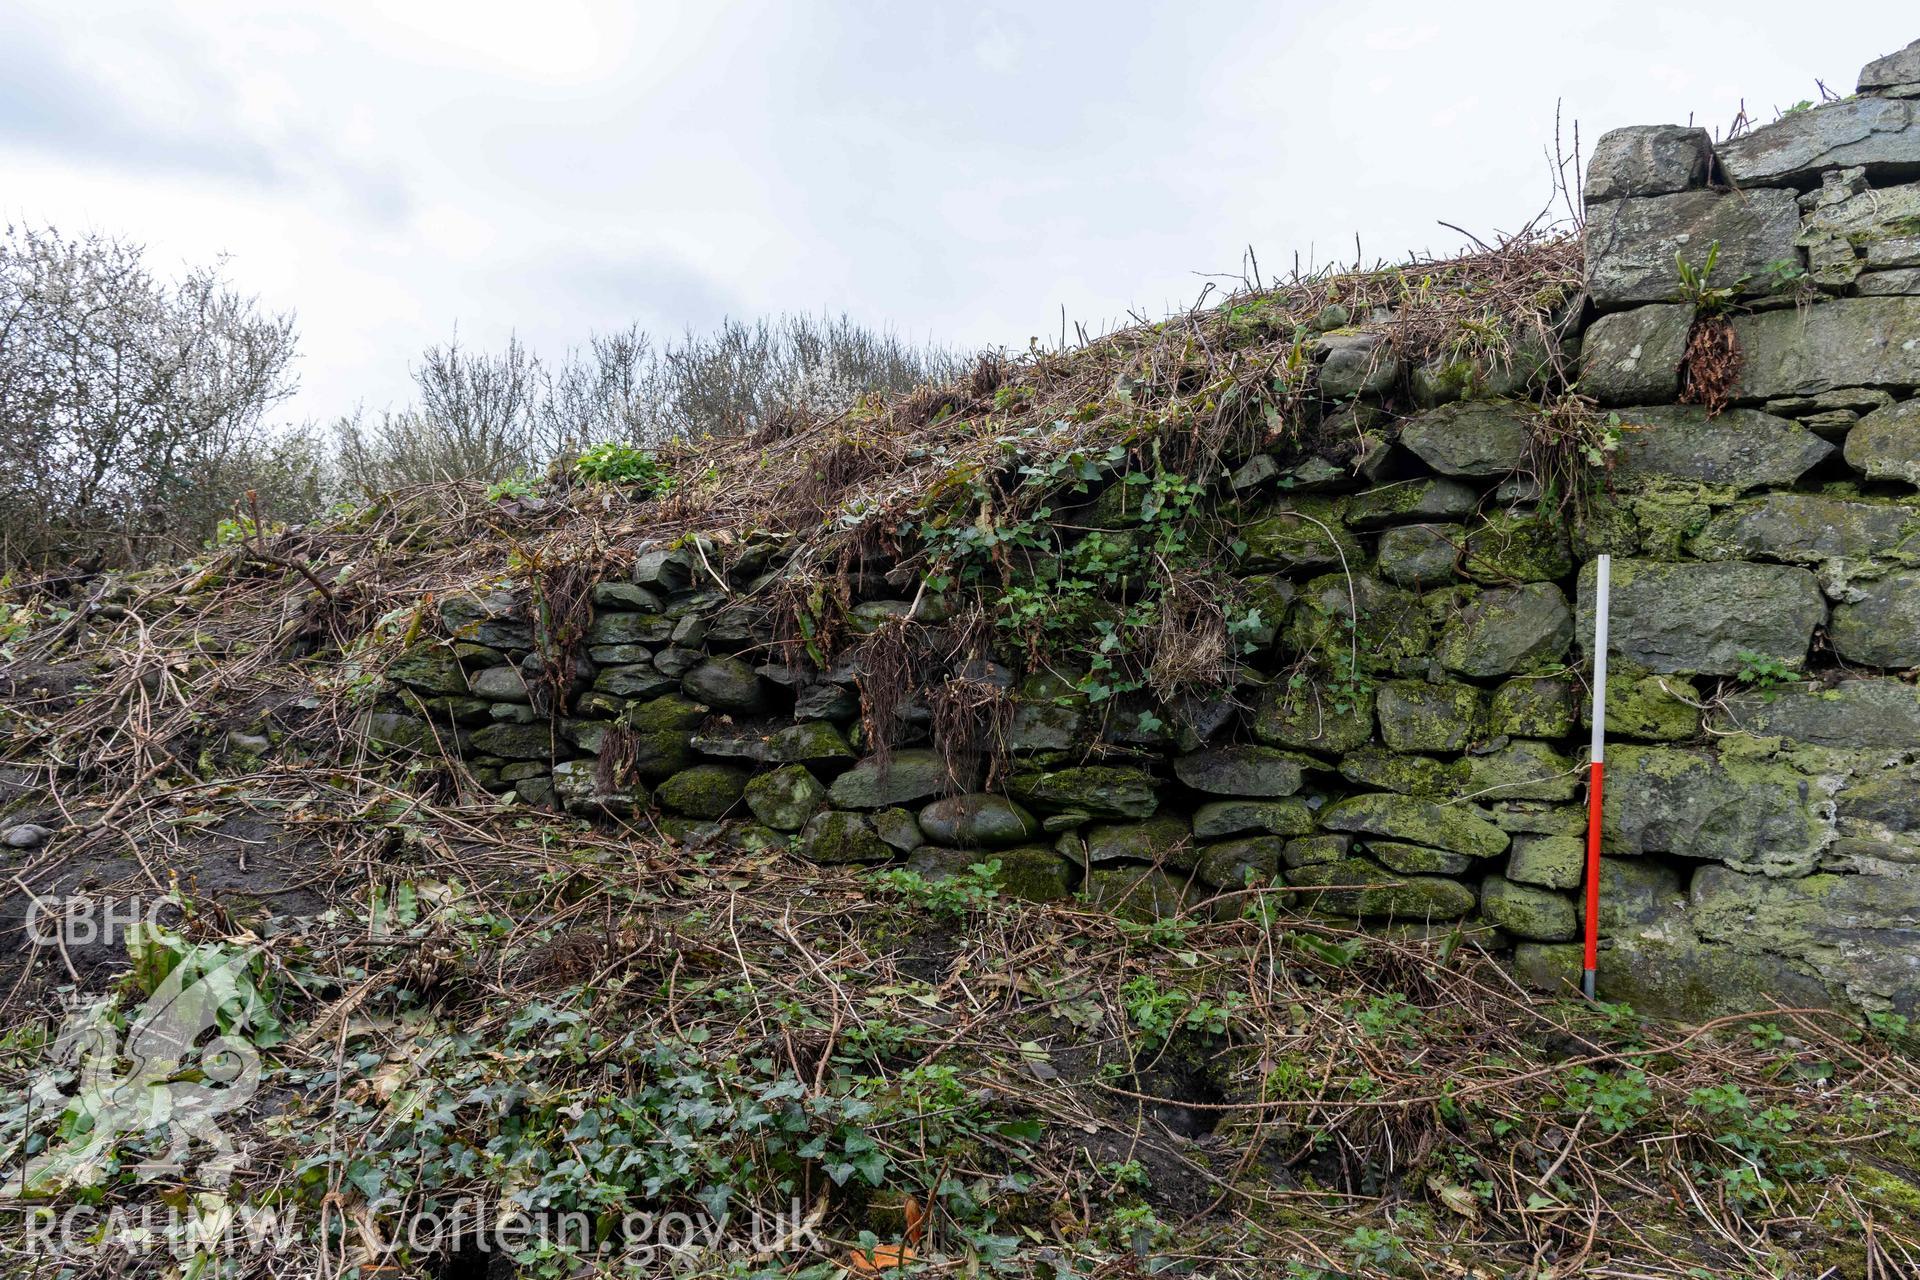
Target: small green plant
1697 287
613 462
1377 1247
1617 1100
953 897
1388 1017
515 486
1783 276
1763 672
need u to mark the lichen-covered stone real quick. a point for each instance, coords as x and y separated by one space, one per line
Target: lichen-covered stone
1754 815
1551 862
898 827
1860 934
1313 717
630 628
785 798
1528 911
1473 438
1097 790
703 791
813 740
1301 533
515 741
1737 448
1285 817
1417 716
836 836
1506 631
627 655
1633 357
824 700
1885 445
977 820
641 680
475 710
1164 838
1632 242
729 743
1513 546
1700 618
1241 771
496 619
1845 342
1392 633
1310 851
1809 528
1415 859
1230 864
625 595
1532 707
1391 893
501 684
1420 555
1857 714
1879 625
1140 894
1416 821
1409 501
724 683
913 774
429 667
1523 770
1652 708
1378 770
390 731
1879 135
1648 160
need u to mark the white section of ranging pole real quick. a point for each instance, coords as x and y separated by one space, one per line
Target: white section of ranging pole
1596 770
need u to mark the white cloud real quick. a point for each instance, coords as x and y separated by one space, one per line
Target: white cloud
957 171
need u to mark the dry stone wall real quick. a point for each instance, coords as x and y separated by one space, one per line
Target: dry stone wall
1763 817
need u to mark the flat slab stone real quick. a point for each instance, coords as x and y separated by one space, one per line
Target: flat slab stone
1700 618
1885 445
1895 76
1633 357
1506 631
1880 625
1758 817
1869 713
1648 160
1632 243
1878 134
1422 822
1812 528
1474 438
1847 342
1740 448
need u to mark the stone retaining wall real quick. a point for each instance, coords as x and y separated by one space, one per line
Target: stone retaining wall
1763 818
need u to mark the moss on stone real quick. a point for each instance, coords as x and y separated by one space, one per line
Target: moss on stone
703 791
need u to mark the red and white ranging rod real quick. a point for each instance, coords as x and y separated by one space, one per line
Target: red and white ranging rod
1596 769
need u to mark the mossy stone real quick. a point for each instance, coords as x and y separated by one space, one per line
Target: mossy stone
977 821
1533 707
1031 873
1392 634
1409 775
1098 790
1518 547
641 680
515 741
1301 533
836 836
1313 717
1523 770
670 711
1756 815
1241 771
1140 894
1416 821
476 710
1390 893
1289 816
1527 911
625 595
630 628
1506 631
1550 862
1416 859
1163 838
785 798
428 667
814 740
1269 596
1313 851
1481 438
703 791
914 774
1228 865
391 731
725 683
1420 555
1410 500
1415 715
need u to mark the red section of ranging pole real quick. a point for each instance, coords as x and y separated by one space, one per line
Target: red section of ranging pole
1602 591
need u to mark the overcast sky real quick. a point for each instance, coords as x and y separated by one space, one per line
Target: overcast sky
957 172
